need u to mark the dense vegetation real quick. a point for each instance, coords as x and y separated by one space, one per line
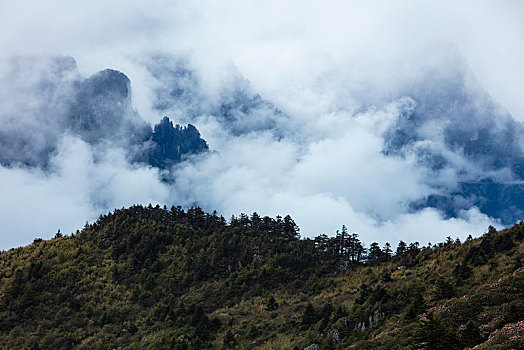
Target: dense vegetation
168 278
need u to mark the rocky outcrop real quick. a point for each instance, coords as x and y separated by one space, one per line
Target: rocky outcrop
369 322
335 336
312 347
97 110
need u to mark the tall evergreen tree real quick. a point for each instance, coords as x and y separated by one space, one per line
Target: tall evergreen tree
375 253
401 248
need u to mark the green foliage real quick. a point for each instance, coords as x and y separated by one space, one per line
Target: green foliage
433 333
271 304
229 340
309 317
462 272
443 289
175 279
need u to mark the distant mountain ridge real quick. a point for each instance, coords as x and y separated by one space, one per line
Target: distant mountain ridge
470 146
236 107
451 124
98 110
171 143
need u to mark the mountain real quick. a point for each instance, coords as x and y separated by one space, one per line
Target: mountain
151 277
102 110
470 144
98 110
35 98
180 91
171 143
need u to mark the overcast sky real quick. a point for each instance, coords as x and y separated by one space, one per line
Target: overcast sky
316 60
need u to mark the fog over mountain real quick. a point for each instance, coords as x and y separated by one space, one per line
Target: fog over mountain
390 122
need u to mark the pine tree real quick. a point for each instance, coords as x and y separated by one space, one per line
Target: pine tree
271 304
375 253
229 340
443 289
310 315
401 248
387 251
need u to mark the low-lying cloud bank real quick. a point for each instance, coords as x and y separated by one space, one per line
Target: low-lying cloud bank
336 81
326 169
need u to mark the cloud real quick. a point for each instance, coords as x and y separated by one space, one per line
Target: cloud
339 70
275 43
341 178
84 183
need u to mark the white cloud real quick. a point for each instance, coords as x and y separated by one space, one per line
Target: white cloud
336 68
37 203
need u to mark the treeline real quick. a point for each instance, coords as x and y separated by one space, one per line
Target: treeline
342 247
158 277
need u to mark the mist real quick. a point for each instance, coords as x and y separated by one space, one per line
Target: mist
334 80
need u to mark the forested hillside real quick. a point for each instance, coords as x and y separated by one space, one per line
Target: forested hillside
158 278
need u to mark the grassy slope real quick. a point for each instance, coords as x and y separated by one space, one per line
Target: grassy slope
152 278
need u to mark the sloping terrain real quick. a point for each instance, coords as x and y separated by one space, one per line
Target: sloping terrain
167 278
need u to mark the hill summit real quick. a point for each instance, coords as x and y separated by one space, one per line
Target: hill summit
159 278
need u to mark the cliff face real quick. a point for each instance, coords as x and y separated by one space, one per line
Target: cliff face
469 143
102 109
171 143
98 110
